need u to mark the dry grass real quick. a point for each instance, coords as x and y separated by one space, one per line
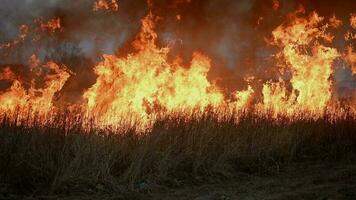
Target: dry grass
57 159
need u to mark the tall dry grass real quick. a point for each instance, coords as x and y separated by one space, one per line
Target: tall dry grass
60 157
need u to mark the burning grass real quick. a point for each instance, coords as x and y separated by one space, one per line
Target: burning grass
161 121
60 157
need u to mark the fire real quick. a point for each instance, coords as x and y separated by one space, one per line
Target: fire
275 4
349 34
178 17
17 98
243 98
309 62
112 5
353 20
145 82
51 26
7 74
23 32
350 57
335 22
276 98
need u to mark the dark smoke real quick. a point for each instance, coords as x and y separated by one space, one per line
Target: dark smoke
231 32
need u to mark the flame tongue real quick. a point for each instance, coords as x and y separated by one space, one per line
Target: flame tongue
310 63
145 81
19 100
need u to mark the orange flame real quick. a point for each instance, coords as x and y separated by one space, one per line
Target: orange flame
350 57
310 63
37 100
112 5
146 82
353 20
23 32
52 25
7 74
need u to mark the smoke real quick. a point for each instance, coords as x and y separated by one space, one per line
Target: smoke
232 33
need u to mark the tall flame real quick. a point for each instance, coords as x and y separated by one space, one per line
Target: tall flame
145 81
309 62
17 98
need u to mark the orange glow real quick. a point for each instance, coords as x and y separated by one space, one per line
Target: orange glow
334 22
310 63
145 82
112 5
275 4
353 20
35 100
350 57
7 74
23 32
351 35
178 17
52 25
150 81
243 98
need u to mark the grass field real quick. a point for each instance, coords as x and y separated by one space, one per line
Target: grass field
59 159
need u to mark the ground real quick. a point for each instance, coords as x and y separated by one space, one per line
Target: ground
305 181
326 181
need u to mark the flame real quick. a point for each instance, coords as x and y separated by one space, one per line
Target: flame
178 17
243 98
275 4
23 33
51 25
145 82
276 99
112 5
350 57
36 100
335 22
350 35
7 74
309 62
353 20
